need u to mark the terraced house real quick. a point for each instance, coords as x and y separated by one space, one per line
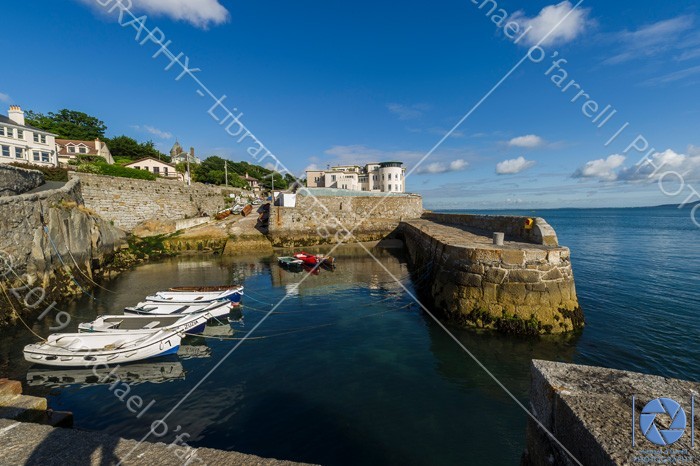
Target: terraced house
26 144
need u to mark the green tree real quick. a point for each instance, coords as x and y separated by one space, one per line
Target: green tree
213 170
68 124
124 146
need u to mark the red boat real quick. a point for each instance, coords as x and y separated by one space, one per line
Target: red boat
309 259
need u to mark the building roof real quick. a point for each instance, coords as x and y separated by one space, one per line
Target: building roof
5 120
150 158
64 143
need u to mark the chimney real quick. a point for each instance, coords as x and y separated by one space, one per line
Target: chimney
192 151
16 115
98 145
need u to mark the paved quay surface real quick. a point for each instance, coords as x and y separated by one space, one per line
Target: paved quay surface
589 411
33 444
463 236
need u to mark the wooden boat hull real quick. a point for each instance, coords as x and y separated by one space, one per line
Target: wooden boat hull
215 309
234 295
90 349
189 323
206 289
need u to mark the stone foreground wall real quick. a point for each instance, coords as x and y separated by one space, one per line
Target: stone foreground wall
588 410
16 180
128 202
326 219
516 288
512 226
75 242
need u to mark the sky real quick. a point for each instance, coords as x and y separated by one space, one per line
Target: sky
321 83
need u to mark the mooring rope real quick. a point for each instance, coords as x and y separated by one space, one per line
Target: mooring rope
4 291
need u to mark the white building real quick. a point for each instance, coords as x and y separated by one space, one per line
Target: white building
382 177
25 144
70 149
157 167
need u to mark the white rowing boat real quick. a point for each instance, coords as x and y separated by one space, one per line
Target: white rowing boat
216 308
189 323
90 349
232 294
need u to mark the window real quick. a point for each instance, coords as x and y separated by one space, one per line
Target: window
389 176
2 130
156 170
9 132
46 157
396 187
71 149
165 171
332 177
20 134
40 138
5 151
36 155
82 150
19 153
137 167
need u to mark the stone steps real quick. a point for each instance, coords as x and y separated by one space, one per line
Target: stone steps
16 406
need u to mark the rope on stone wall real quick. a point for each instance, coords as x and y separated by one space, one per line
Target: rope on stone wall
4 291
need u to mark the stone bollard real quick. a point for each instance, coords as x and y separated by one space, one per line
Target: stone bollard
498 238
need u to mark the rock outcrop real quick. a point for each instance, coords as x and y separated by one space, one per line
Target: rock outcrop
52 241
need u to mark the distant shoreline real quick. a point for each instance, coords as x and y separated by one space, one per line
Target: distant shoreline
689 205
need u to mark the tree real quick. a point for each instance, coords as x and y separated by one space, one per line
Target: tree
213 170
68 124
124 146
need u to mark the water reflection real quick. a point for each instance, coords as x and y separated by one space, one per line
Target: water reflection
133 374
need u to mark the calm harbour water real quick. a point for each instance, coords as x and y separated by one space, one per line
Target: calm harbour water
351 371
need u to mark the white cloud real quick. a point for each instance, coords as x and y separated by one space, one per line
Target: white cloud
312 166
693 150
555 24
529 142
200 13
443 167
5 98
687 166
407 112
513 166
153 131
652 39
603 169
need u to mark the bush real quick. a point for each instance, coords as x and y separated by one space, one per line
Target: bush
102 168
50 173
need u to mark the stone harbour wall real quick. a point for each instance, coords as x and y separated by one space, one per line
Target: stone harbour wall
16 180
325 219
128 202
51 237
513 226
516 288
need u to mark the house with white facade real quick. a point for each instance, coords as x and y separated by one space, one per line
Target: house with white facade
70 149
25 144
377 177
157 167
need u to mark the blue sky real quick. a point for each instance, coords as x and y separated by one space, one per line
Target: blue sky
327 82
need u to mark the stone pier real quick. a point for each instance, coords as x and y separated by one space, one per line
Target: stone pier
589 412
525 286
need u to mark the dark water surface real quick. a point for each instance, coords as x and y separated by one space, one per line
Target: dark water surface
350 371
